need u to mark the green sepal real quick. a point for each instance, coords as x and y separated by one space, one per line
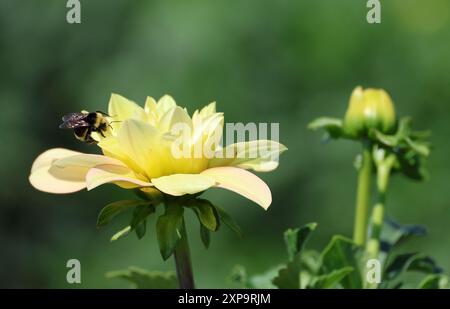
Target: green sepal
113 209
410 147
332 126
139 219
168 229
141 229
226 219
205 236
205 212
207 216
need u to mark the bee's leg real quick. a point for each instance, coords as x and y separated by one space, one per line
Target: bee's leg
101 129
89 138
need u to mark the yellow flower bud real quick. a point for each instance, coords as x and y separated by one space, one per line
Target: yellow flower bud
369 109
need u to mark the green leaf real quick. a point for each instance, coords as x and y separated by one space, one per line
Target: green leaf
111 210
261 281
295 239
168 229
123 232
310 260
264 280
410 262
143 279
339 253
239 276
141 228
434 282
205 236
394 233
331 279
289 276
333 126
228 221
205 213
410 148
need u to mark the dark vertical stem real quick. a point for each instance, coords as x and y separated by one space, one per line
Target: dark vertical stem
183 261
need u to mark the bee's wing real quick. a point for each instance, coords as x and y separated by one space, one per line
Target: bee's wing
73 120
73 124
73 116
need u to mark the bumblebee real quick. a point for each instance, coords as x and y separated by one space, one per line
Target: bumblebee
84 123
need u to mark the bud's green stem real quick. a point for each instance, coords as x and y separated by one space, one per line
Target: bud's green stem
384 168
363 196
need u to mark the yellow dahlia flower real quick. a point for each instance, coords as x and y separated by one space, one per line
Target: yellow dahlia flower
138 152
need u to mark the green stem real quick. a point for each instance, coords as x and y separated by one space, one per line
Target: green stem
363 197
378 212
373 244
183 261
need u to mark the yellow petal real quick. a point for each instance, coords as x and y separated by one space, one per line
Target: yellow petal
57 180
206 139
150 109
111 148
86 160
207 127
205 112
208 110
175 116
242 182
260 155
141 142
119 175
150 105
50 179
180 184
121 109
165 103
47 157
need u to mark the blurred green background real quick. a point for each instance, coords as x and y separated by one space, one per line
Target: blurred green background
262 61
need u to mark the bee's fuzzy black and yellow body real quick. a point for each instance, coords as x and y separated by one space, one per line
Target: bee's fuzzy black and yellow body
84 123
